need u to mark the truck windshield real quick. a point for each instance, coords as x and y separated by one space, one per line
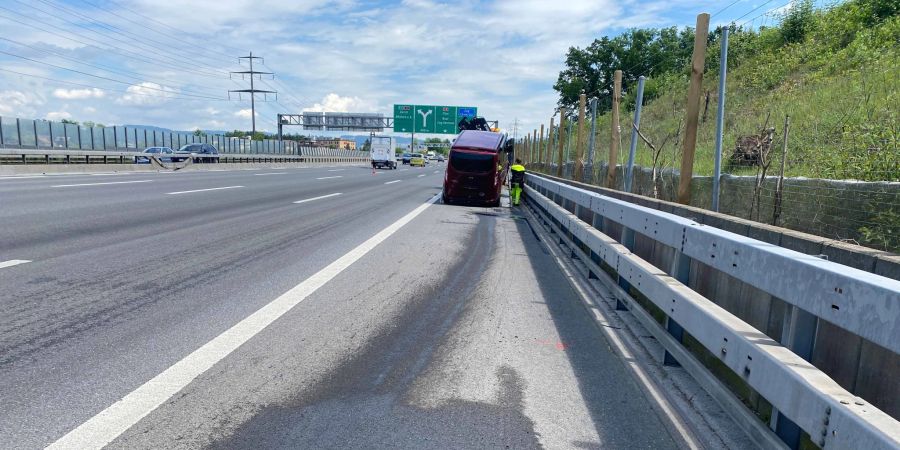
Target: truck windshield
472 162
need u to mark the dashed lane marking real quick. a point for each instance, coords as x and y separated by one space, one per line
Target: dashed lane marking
318 198
13 262
102 184
203 190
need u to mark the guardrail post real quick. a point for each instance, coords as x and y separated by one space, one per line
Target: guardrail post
589 164
681 271
627 239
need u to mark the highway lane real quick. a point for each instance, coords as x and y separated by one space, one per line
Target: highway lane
455 331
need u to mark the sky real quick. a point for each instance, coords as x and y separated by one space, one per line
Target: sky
167 63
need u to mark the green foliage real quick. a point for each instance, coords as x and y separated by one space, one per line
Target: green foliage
884 232
797 22
69 121
258 136
199 132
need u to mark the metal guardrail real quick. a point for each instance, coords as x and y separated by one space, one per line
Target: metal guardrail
35 156
862 303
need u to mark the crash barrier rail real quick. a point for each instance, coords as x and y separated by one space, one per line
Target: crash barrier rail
861 303
37 156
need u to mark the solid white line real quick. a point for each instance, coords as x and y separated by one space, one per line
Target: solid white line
335 170
328 178
101 184
13 262
318 198
395 181
420 176
110 423
270 173
437 171
203 190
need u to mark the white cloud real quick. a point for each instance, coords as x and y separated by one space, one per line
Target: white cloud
89 110
18 104
58 115
146 93
78 94
336 103
245 113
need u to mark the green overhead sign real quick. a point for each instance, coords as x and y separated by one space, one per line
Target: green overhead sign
430 118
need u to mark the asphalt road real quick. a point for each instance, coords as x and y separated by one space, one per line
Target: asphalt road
455 331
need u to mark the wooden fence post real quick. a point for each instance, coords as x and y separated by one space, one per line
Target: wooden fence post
561 137
614 137
540 153
698 62
579 140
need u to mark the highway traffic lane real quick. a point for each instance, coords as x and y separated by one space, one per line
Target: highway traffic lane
42 222
466 337
82 329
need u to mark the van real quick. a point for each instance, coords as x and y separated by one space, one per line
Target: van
382 152
473 173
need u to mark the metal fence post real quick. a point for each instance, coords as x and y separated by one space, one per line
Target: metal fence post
126 137
92 139
34 125
635 127
2 140
591 141
103 132
65 136
50 129
720 120
78 127
19 130
115 138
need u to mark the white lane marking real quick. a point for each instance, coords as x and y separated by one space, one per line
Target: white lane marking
420 176
335 170
392 182
270 173
203 190
318 198
13 262
328 178
101 184
437 171
110 423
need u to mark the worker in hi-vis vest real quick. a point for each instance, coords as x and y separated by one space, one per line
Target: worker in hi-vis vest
516 182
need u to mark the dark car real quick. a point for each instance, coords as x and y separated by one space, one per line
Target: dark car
161 151
406 158
473 173
200 153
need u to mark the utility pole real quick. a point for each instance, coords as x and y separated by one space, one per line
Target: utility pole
252 91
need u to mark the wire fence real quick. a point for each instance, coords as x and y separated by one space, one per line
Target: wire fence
809 146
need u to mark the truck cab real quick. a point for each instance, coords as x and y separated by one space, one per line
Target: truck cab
473 173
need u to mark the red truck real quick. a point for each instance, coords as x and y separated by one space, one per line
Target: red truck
473 172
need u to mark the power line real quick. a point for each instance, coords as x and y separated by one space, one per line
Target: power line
110 48
99 76
144 25
139 40
735 2
754 9
166 25
166 59
72 83
123 72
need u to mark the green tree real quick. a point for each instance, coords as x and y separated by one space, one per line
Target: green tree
69 122
199 132
798 21
258 136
